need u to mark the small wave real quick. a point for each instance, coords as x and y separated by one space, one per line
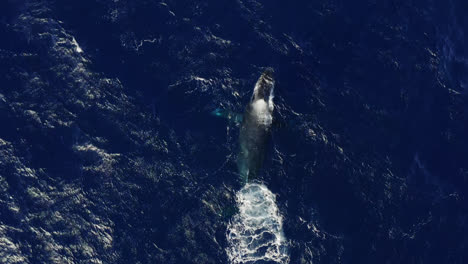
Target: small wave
255 234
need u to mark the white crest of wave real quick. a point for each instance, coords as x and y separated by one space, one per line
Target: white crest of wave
255 234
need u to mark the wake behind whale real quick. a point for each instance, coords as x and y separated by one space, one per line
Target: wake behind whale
255 234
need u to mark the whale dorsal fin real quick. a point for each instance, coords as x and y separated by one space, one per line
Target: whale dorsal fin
230 115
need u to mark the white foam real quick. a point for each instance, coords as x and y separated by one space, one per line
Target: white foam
77 47
271 105
256 232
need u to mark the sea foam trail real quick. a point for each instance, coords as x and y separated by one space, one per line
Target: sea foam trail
255 234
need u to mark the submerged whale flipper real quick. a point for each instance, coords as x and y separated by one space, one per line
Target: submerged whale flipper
232 116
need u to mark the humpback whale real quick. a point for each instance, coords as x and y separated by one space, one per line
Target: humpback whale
255 127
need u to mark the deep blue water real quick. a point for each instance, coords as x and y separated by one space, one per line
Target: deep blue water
108 153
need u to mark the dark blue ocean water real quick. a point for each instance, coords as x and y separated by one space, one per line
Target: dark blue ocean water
109 153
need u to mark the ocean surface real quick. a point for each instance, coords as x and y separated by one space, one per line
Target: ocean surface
109 152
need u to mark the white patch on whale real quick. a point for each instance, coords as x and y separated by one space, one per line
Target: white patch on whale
261 110
256 232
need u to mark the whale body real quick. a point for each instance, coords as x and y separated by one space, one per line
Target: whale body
255 127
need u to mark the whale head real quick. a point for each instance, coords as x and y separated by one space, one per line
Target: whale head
264 87
261 106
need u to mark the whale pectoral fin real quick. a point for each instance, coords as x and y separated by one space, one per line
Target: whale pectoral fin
232 116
